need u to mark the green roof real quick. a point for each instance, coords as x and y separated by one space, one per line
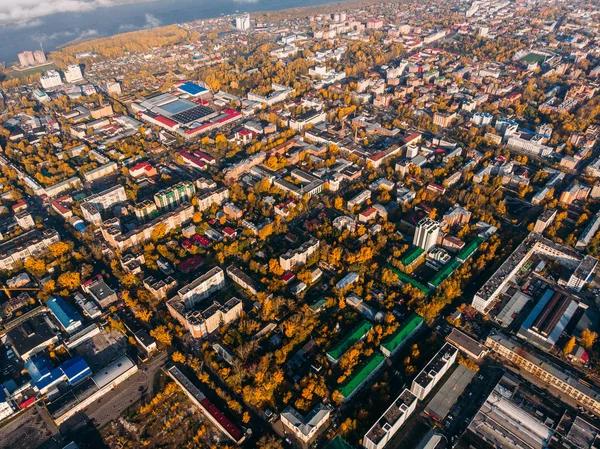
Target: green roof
349 339
468 250
404 332
318 304
361 373
412 256
441 275
403 277
338 443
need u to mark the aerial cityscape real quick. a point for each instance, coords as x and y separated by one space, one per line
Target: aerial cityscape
363 224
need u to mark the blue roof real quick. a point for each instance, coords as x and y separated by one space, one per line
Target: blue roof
81 227
38 367
63 312
55 375
76 369
192 88
538 309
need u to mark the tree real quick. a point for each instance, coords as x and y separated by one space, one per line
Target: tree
178 357
58 249
275 268
269 442
158 232
588 338
69 280
162 335
569 346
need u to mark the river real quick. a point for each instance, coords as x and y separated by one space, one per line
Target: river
59 29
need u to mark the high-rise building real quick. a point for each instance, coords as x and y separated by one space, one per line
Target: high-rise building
26 59
426 234
170 198
73 73
39 56
51 79
243 22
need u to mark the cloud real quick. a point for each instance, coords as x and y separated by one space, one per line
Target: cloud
151 22
74 35
29 24
25 11
245 1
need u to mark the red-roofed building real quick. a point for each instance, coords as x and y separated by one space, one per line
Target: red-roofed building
20 206
288 277
229 232
143 169
192 160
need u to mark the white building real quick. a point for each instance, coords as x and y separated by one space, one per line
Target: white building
73 73
305 428
434 371
394 417
51 79
299 256
242 23
426 234
94 205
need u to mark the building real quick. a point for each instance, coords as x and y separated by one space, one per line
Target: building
534 244
443 401
358 200
25 220
51 79
206 200
24 246
170 198
457 215
426 234
409 327
242 279
394 417
503 421
242 23
112 233
466 344
434 371
73 73
548 319
347 280
544 220
589 232
306 428
26 59
443 120
207 408
93 206
99 291
66 316
32 335
575 192
101 172
189 307
566 383
299 256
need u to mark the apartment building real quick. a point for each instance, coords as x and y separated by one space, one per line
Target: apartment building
171 197
101 172
306 428
206 200
388 424
93 206
24 246
426 234
113 234
299 256
434 371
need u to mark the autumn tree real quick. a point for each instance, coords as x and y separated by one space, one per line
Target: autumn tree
569 346
588 338
162 335
69 280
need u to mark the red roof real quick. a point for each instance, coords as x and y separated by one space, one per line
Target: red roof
190 264
229 231
288 276
165 121
227 426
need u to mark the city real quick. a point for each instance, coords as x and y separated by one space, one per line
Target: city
354 225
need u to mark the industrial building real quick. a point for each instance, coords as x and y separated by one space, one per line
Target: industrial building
566 383
443 401
548 319
66 316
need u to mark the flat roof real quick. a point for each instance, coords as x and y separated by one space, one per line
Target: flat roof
112 371
441 404
64 313
466 343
